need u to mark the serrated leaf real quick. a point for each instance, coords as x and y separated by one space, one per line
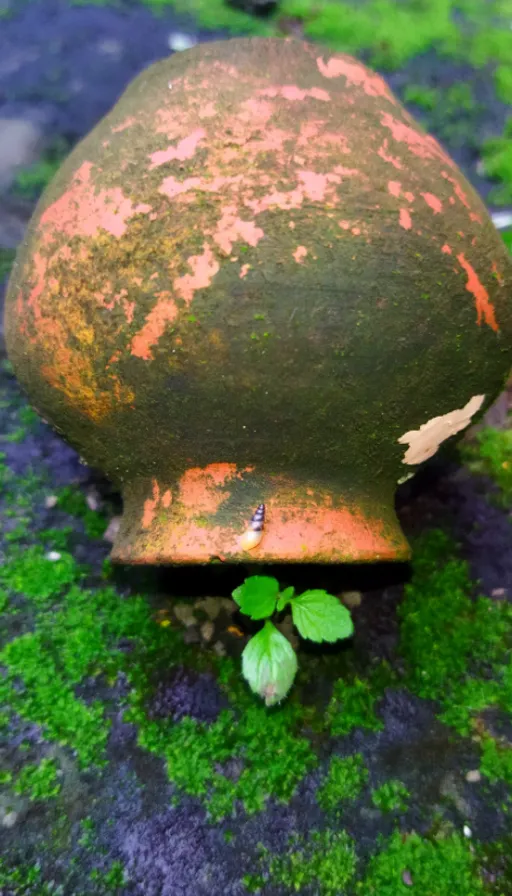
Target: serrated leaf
320 616
269 664
285 598
257 597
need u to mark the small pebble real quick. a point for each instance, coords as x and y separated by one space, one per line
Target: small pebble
185 614
219 648
9 819
501 220
466 830
407 879
207 630
179 41
92 501
473 776
498 592
53 556
112 529
351 599
209 605
50 501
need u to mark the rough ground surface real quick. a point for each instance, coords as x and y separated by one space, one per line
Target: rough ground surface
133 760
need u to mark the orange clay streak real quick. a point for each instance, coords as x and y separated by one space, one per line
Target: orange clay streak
484 307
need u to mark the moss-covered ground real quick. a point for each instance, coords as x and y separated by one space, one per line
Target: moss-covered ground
133 759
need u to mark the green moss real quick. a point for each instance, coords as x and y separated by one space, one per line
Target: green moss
6 260
352 704
392 796
23 881
196 754
497 158
424 97
455 646
109 881
325 860
31 573
344 781
490 454
30 182
72 501
38 782
496 761
503 80
437 868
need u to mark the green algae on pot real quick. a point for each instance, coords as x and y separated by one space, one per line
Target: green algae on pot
249 179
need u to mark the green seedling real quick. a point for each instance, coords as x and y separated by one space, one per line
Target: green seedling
269 662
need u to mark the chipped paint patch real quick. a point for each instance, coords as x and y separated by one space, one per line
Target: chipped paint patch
425 441
384 154
356 76
185 149
433 202
295 94
300 254
484 308
204 267
231 228
422 145
202 489
164 312
150 505
405 219
83 211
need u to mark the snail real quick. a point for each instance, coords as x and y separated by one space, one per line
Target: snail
254 533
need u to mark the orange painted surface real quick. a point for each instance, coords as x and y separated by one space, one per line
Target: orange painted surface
446 249
202 490
484 308
318 531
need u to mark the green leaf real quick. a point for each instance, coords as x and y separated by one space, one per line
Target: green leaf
269 664
320 616
257 597
285 598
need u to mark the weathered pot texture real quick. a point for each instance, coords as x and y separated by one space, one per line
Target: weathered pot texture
258 282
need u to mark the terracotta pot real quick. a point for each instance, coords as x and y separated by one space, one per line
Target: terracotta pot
258 282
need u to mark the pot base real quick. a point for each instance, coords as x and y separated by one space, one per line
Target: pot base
207 516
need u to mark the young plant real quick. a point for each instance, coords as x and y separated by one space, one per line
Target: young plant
269 662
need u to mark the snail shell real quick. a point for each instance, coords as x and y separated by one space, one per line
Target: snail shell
254 532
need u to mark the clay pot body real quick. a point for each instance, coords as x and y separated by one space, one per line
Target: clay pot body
257 281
